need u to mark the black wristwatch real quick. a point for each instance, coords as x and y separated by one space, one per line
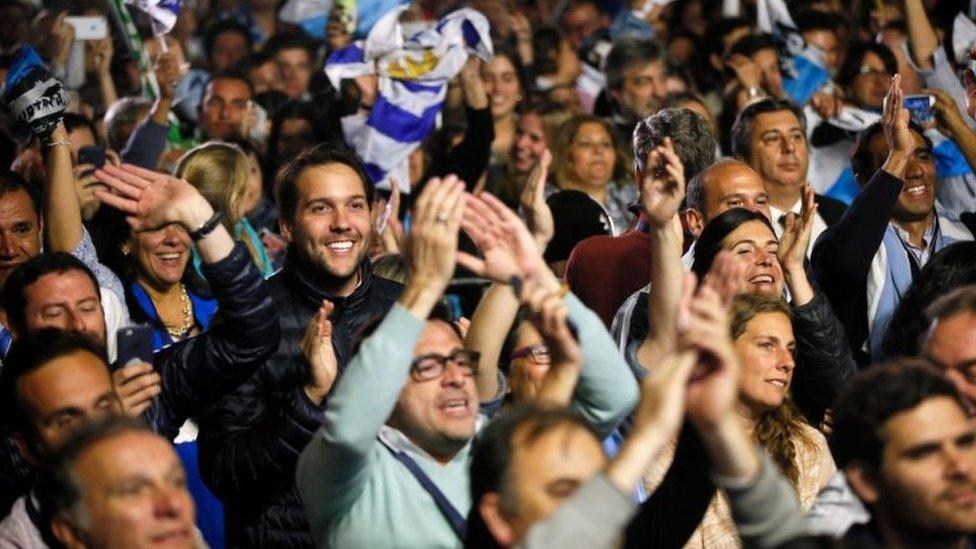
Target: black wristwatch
207 227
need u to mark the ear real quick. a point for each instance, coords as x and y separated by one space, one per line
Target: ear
491 513
28 449
67 533
863 482
694 220
285 229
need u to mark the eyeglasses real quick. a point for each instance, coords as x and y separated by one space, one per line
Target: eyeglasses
432 365
868 71
539 354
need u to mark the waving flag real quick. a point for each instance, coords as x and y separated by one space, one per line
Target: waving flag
804 71
163 13
963 38
413 74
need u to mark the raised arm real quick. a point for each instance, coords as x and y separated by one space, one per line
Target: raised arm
606 391
62 213
662 191
334 466
922 40
148 141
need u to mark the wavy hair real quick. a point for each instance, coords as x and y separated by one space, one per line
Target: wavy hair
780 430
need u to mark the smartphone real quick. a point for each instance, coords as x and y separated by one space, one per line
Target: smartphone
920 108
89 27
134 342
92 154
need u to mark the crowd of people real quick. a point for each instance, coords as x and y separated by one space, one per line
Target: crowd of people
486 273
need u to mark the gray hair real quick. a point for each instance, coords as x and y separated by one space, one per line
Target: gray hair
625 53
122 117
689 132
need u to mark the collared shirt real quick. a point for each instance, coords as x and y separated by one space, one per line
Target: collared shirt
923 252
778 218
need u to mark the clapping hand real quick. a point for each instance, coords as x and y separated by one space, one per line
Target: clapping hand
509 251
323 368
663 184
894 119
538 216
796 236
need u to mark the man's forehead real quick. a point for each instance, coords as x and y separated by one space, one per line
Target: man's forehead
332 180
932 420
776 120
126 455
228 87
16 205
62 286
733 179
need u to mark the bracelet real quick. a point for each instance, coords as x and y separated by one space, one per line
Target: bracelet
208 227
64 143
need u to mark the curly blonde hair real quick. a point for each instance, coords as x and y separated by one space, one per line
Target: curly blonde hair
781 429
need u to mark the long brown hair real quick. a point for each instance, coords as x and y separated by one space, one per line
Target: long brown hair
781 429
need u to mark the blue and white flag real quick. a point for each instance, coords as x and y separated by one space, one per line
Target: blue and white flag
163 13
413 74
804 73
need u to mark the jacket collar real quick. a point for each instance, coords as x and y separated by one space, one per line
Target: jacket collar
307 285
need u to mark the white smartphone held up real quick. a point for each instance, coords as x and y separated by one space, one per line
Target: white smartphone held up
89 27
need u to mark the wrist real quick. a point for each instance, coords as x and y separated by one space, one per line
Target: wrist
420 295
895 164
194 213
315 394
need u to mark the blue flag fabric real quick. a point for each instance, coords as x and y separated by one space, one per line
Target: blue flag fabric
412 82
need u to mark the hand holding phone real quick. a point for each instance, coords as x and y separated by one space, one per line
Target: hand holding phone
88 27
920 108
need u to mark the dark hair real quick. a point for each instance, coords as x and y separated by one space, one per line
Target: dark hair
960 300
57 488
689 132
30 352
289 41
625 53
862 161
808 19
11 182
221 27
855 58
231 74
872 396
717 31
15 290
290 110
948 269
72 121
742 128
752 43
492 458
709 243
319 155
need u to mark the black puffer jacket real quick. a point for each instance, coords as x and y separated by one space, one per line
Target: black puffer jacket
243 334
250 441
195 371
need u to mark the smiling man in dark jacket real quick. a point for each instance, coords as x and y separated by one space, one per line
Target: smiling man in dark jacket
251 440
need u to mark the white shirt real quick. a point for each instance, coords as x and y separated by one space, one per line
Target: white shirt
776 214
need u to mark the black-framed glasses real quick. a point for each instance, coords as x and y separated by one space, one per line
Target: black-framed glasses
432 365
539 353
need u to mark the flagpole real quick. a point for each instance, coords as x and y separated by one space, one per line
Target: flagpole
150 87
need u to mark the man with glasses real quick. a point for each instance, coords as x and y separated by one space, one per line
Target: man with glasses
226 105
390 465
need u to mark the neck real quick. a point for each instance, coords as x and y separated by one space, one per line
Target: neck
782 196
747 415
159 291
916 227
504 123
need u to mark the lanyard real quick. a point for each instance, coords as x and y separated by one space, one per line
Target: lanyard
913 261
457 521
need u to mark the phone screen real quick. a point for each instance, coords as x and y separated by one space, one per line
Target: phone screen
920 108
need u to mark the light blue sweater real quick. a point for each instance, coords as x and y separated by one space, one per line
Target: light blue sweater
356 494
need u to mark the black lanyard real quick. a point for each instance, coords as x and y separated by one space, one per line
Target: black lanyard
913 262
456 519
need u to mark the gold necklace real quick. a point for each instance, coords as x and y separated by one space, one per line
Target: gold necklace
180 331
